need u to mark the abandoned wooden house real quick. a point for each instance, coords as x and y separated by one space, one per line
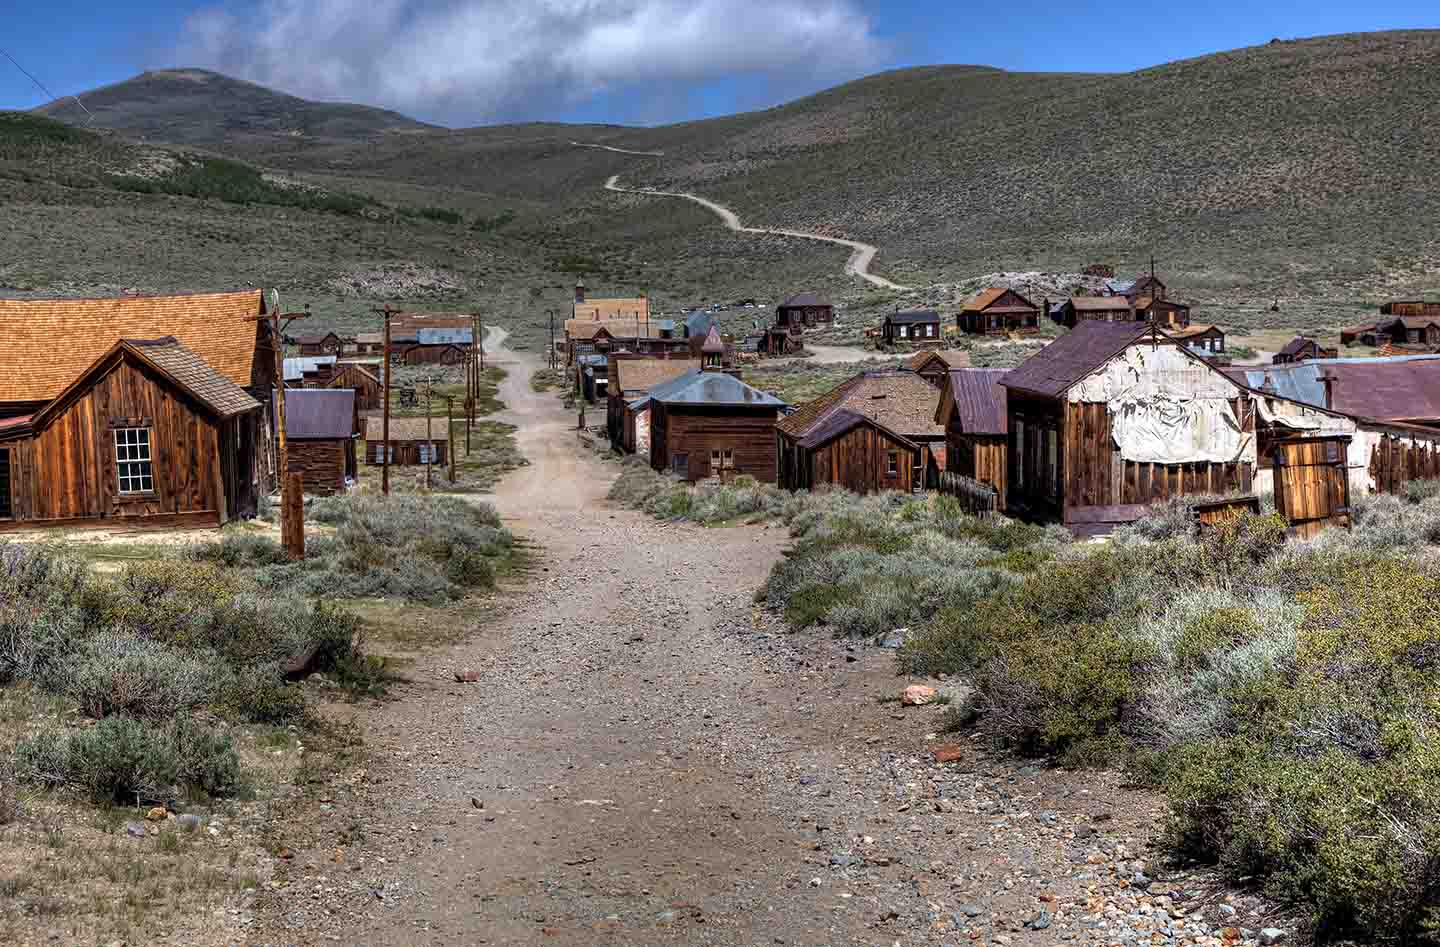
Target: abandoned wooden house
327 343
709 424
630 308
51 342
933 364
996 311
1364 334
804 309
309 370
972 411
1403 390
433 346
1414 307
322 426
413 441
1165 313
364 379
911 325
780 340
369 343
627 416
1299 349
602 338
1413 330
1204 340
1099 308
148 434
875 431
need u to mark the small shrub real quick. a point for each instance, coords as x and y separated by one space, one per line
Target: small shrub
238 550
116 673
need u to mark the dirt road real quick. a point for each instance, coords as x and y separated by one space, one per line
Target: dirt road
862 255
648 759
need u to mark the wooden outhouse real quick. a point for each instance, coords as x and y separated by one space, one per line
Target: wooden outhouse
322 426
972 411
997 311
709 424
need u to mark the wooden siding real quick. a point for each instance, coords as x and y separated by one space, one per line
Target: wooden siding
1312 490
858 460
367 389
322 464
980 457
1395 461
67 471
695 431
407 453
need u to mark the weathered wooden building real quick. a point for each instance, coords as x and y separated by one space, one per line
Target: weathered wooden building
1404 390
364 379
933 364
1206 341
804 309
1092 308
1413 307
322 426
972 411
628 308
146 435
821 443
627 415
309 370
1300 349
1414 330
1364 334
997 311
326 343
413 441
1165 313
710 424
911 325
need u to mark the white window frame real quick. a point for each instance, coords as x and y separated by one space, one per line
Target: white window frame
134 461
427 451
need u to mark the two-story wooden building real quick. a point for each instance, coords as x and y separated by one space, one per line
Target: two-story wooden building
804 309
709 424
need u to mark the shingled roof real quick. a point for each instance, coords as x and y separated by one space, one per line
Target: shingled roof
407 429
50 342
1077 353
912 316
899 400
636 375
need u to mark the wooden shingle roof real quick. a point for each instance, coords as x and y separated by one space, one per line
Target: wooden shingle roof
636 375
407 429
50 342
901 401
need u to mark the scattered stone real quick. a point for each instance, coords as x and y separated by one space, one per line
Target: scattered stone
466 675
917 694
476 803
135 829
1271 935
947 753
1039 922
892 639
156 814
969 910
1227 910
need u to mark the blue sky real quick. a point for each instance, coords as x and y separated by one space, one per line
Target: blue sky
462 62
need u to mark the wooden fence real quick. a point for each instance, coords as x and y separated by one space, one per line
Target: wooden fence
978 499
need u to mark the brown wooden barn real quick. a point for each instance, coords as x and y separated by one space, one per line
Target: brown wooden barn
50 342
934 364
148 434
1301 348
364 379
322 426
912 326
996 311
413 442
972 411
627 407
327 343
804 309
902 405
710 424
844 448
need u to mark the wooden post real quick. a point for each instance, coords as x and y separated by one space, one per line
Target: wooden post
385 414
294 512
450 433
429 435
282 455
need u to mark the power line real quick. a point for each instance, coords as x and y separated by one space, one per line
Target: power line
42 88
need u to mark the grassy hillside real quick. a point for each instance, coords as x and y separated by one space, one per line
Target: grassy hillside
1297 170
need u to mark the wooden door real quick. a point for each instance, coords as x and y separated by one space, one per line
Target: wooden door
1312 488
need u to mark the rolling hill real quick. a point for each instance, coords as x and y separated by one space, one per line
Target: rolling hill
1301 170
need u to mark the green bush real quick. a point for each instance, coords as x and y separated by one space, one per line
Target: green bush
118 673
123 759
239 183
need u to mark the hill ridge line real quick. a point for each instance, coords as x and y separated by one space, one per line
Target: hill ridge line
860 259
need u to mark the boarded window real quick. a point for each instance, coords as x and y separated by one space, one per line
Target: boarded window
132 460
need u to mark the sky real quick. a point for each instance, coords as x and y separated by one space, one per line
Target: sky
471 62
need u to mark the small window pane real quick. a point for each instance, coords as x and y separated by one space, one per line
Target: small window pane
133 467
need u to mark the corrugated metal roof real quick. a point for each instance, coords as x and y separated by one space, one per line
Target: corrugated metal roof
980 400
445 336
1074 355
1403 388
195 375
295 368
714 388
1120 285
320 413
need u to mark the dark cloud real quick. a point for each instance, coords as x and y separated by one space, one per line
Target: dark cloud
469 61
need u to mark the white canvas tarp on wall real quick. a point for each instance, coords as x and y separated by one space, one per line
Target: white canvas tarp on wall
1161 429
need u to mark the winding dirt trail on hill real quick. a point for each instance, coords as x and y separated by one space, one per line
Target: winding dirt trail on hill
861 256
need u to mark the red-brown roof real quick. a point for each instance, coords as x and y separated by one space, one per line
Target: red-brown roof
50 342
1077 353
901 401
978 400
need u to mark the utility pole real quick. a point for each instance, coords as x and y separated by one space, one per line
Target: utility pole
552 340
450 433
480 341
288 525
385 413
429 436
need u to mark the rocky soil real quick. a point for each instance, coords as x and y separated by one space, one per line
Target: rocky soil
641 755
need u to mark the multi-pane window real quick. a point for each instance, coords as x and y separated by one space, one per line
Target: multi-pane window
132 460
426 453
892 463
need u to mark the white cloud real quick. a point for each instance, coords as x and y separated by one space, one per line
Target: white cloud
476 60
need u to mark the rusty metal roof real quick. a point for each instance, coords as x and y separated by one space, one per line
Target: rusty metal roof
1077 353
979 400
1404 388
320 413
